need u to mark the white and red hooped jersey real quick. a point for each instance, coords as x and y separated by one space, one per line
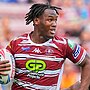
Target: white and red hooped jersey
40 66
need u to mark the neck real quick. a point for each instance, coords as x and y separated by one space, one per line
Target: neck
36 37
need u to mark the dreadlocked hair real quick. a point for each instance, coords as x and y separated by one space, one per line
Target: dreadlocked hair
37 10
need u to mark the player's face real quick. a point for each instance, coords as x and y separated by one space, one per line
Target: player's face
48 22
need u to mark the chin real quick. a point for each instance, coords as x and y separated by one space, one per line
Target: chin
50 37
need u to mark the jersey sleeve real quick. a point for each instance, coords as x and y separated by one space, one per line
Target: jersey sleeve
11 47
14 44
75 52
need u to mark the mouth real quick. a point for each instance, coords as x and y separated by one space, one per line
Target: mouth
52 31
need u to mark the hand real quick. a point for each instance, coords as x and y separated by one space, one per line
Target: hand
4 66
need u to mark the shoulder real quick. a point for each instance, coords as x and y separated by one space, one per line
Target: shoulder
21 37
61 40
65 42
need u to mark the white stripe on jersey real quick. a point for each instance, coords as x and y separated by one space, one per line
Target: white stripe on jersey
28 85
82 58
50 72
59 41
29 42
60 78
25 56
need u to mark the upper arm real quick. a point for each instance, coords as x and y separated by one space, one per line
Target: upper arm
75 52
11 47
86 60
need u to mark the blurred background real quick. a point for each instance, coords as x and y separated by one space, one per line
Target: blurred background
73 23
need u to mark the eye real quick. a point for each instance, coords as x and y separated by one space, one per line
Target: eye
50 20
56 20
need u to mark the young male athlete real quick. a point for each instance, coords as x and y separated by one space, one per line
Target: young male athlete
40 55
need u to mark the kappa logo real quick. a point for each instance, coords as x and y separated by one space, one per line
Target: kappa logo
37 50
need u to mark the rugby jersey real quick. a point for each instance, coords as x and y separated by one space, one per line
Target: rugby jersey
40 66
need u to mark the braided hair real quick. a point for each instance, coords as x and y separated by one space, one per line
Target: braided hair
37 10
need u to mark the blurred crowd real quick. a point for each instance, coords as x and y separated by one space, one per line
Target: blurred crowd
73 23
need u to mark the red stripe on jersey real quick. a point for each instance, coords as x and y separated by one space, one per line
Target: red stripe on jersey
45 81
2 53
17 87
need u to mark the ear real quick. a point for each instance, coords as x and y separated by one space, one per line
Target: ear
36 21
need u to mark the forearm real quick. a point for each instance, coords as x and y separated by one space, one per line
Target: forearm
75 86
85 76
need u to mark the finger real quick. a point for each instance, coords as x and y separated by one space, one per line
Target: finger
5 65
4 61
5 69
3 73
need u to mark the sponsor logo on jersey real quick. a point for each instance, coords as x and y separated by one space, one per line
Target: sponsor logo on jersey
25 48
76 52
37 50
71 44
35 66
49 51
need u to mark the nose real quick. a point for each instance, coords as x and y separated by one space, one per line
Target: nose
54 23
